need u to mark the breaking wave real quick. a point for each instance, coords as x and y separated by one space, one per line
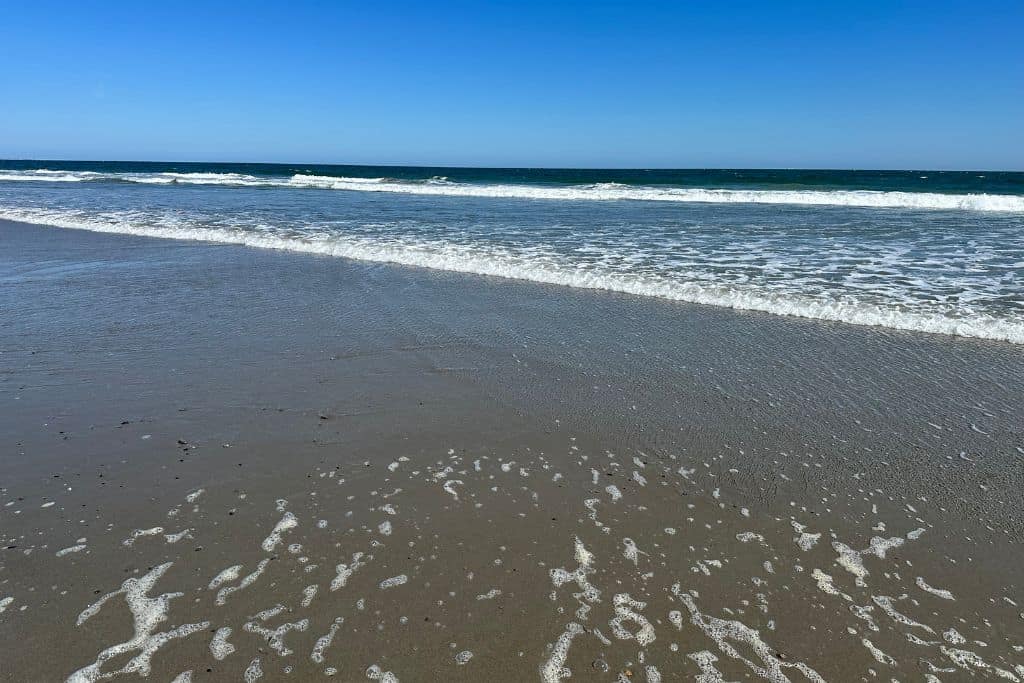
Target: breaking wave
491 260
439 186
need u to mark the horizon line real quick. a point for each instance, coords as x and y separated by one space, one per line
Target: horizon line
545 168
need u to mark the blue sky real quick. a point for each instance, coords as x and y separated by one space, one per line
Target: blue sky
682 84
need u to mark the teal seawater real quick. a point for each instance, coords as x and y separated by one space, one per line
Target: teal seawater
953 182
926 251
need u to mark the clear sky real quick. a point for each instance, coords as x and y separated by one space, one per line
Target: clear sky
885 84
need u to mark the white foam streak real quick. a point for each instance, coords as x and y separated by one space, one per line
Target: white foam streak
47 176
493 261
592 192
617 192
147 614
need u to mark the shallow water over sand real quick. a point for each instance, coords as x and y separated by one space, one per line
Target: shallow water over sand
938 253
377 473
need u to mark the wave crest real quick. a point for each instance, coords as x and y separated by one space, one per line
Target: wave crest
495 261
440 186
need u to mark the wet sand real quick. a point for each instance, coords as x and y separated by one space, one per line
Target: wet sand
257 465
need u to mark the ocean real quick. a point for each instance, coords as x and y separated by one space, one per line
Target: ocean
929 251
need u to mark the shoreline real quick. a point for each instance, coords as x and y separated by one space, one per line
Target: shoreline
137 372
513 269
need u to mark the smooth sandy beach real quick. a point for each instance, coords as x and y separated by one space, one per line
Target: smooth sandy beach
452 477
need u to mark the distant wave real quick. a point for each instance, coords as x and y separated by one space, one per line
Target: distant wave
615 191
494 261
168 178
438 186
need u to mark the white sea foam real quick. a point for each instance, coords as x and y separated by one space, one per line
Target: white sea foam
253 672
885 602
375 673
48 176
630 551
879 656
229 574
725 632
287 523
393 581
324 641
223 593
219 646
585 566
345 571
612 192
825 584
147 613
72 549
705 661
805 540
617 192
275 637
553 669
498 262
940 592
587 192
140 533
174 538
627 609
